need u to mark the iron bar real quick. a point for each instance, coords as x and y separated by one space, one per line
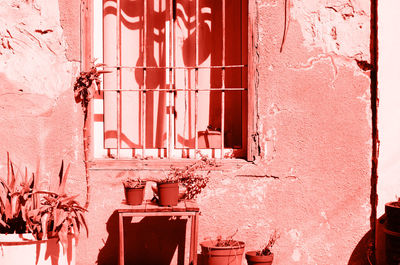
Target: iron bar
196 86
187 89
177 67
170 48
223 78
118 58
144 50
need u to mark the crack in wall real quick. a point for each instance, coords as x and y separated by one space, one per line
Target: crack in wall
267 176
256 38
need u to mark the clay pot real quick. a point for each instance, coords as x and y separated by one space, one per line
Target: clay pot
168 194
392 231
134 196
253 259
229 255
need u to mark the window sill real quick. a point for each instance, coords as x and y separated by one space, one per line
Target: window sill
159 164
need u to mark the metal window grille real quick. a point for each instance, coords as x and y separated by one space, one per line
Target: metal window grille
169 70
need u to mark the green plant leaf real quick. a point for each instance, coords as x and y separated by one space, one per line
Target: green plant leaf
44 223
63 179
63 235
13 177
83 221
3 223
4 190
76 230
15 205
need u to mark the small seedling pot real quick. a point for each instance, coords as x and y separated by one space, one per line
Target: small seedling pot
168 194
134 196
228 255
253 259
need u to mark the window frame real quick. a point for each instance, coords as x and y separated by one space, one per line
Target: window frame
87 50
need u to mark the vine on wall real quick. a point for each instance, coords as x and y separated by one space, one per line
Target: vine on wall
86 85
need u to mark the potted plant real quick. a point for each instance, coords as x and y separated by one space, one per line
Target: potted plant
264 255
167 191
134 190
43 225
392 232
222 251
191 178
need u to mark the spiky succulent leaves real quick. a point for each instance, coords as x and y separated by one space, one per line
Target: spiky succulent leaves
63 236
58 215
15 199
5 206
63 178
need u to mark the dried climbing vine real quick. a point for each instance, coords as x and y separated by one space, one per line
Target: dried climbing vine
86 85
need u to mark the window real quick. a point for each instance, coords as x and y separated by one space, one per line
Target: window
178 81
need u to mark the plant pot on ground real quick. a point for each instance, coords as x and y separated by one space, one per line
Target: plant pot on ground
263 256
32 218
134 191
392 233
222 251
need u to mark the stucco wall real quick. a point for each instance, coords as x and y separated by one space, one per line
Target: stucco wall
40 120
311 181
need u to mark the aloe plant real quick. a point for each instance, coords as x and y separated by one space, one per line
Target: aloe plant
57 214
24 208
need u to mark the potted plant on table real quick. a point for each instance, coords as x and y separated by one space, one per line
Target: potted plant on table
263 256
43 225
222 251
191 178
134 190
168 191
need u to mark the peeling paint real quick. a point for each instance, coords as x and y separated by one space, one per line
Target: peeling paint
348 21
296 255
23 33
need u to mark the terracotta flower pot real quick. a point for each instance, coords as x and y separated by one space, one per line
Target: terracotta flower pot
168 193
134 196
392 231
229 255
253 259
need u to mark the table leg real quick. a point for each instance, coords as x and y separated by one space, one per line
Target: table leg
191 252
121 239
196 231
193 239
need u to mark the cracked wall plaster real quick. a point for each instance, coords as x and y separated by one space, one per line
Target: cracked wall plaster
32 47
335 26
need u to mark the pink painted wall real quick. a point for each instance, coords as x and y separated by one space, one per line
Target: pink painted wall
311 181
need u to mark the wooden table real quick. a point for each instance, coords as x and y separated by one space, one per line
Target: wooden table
148 208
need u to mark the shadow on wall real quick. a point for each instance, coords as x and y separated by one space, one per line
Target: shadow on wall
152 240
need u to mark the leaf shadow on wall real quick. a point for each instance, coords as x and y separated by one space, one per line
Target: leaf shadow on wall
152 240
154 39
